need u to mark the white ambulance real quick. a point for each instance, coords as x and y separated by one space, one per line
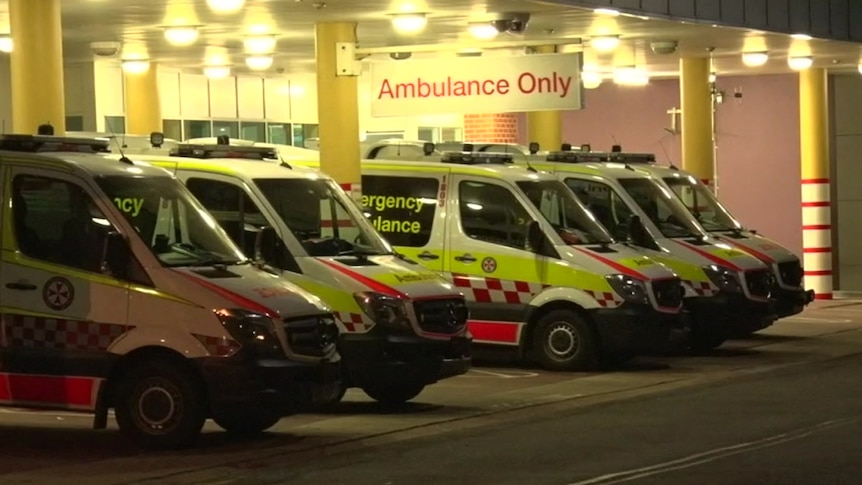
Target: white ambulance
402 326
118 290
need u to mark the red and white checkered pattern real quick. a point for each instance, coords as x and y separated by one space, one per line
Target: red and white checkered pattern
51 333
494 290
354 322
218 346
702 288
606 299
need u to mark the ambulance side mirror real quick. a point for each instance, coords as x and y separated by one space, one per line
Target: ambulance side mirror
266 247
536 240
638 235
116 255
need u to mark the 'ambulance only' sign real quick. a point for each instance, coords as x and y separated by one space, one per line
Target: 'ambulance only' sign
476 85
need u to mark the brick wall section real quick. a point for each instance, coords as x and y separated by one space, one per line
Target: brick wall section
491 127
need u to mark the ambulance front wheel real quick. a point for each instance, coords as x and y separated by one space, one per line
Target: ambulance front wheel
247 422
160 404
393 393
564 341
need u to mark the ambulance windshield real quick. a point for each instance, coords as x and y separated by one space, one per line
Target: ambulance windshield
661 207
560 207
323 218
170 220
703 204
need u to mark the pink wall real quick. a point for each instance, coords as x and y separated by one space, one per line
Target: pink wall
758 142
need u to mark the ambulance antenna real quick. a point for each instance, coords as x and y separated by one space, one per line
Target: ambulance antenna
281 160
123 157
666 154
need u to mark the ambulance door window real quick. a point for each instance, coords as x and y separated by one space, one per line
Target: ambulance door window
605 204
58 222
232 207
491 213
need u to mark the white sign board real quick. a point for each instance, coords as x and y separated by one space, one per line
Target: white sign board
533 82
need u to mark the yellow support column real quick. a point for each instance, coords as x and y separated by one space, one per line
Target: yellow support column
337 108
816 200
698 155
143 105
37 66
545 127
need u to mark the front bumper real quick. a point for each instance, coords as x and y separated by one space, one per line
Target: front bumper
730 314
790 302
380 356
639 329
283 386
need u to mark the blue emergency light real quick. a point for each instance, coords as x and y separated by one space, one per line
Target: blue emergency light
47 143
477 158
224 151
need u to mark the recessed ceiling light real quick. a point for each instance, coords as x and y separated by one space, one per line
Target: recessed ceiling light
181 35
607 11
409 23
801 36
258 63
755 59
482 30
136 66
591 79
226 6
800 63
259 44
605 43
217 72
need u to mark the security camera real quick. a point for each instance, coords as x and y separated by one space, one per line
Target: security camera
518 23
663 46
105 49
400 56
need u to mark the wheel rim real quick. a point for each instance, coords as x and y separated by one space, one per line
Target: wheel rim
159 406
561 341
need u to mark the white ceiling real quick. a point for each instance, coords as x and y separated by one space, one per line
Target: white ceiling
137 24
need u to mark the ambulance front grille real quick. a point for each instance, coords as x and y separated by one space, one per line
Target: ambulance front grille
313 336
759 282
441 315
668 292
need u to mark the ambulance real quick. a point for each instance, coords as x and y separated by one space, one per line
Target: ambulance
788 290
119 291
402 327
541 276
729 291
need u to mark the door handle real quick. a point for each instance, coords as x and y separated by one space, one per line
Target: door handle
427 255
21 286
467 258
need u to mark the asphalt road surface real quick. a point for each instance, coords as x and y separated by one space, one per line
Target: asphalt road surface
794 426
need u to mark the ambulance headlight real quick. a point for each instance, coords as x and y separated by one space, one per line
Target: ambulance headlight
252 330
383 309
724 278
630 289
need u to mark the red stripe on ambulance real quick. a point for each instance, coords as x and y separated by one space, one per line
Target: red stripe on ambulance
64 391
490 331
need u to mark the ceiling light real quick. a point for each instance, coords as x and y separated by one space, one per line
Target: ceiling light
181 35
591 79
605 43
226 6
754 59
607 11
859 68
259 44
482 30
217 72
136 66
800 63
409 23
6 43
712 77
631 76
258 63
801 36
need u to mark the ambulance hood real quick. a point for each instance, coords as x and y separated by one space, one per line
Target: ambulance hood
390 275
616 258
711 251
762 248
248 287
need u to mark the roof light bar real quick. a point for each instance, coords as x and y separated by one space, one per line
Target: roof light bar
224 151
598 157
57 144
477 158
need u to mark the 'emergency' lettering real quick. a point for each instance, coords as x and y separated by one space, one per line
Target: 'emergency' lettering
129 205
382 202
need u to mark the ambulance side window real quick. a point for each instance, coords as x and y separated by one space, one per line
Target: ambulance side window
231 206
491 213
396 152
610 210
58 222
401 208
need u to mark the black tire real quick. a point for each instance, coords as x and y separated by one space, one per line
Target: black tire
701 341
176 399
247 422
333 399
394 393
564 341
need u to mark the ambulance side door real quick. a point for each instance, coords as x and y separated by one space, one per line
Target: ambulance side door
488 259
58 312
406 209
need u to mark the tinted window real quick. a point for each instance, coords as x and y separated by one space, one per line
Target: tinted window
401 208
605 204
234 210
561 209
662 208
702 204
58 222
491 213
